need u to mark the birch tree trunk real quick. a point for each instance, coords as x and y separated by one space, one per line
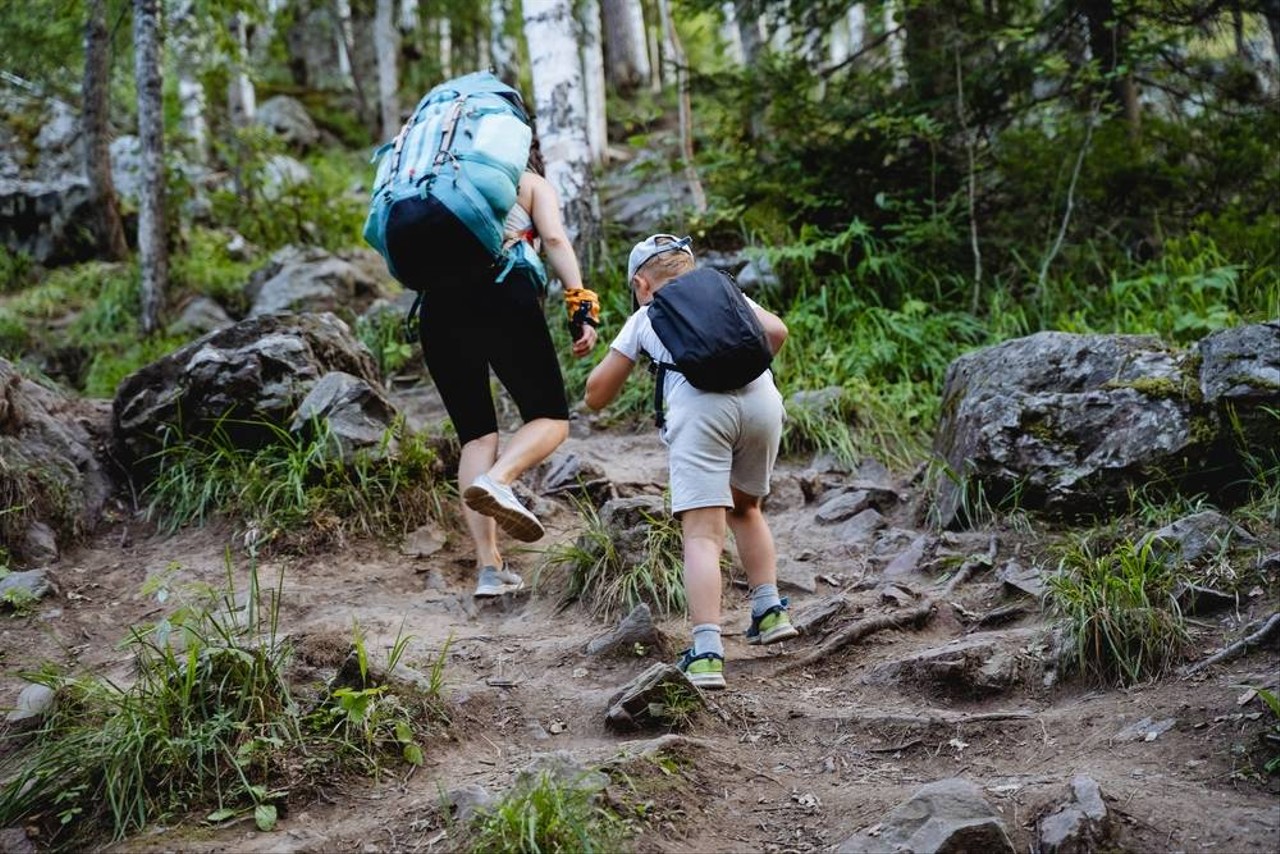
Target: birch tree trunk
593 75
354 69
1271 11
153 252
502 45
444 43
562 120
748 31
897 40
241 98
729 33
108 229
387 48
625 44
408 16
848 36
686 108
188 52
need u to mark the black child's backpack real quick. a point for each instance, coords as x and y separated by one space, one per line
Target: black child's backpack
714 337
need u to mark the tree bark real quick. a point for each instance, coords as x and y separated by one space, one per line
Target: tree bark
387 49
685 108
355 66
153 251
626 50
502 46
594 78
896 38
241 97
108 229
729 35
1108 43
191 94
748 31
1271 11
562 119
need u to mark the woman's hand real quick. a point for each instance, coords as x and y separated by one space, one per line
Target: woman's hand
587 342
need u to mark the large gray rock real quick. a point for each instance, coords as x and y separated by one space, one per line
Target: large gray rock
47 220
51 473
256 371
1240 379
946 817
310 279
289 120
1070 423
355 412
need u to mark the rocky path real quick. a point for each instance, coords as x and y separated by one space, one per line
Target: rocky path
800 753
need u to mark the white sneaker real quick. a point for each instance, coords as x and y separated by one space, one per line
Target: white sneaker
494 582
490 498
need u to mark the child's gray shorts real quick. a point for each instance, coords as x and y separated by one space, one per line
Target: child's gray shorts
718 439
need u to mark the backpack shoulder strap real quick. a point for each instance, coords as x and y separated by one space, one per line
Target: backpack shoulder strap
658 370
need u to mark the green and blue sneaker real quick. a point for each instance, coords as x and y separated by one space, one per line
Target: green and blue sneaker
772 626
705 670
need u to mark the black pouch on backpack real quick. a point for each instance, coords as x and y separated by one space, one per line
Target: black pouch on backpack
713 336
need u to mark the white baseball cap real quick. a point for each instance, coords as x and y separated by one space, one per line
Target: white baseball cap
651 247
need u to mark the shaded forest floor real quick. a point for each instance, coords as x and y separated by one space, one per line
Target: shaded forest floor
792 759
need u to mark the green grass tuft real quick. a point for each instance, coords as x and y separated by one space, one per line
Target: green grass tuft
609 580
547 816
299 490
1119 611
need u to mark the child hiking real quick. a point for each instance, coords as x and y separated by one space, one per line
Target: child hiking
722 443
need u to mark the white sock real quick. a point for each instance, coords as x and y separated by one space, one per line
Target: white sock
764 597
706 638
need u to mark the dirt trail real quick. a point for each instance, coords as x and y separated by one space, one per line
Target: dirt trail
794 760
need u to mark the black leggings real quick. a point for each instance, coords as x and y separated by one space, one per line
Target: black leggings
470 323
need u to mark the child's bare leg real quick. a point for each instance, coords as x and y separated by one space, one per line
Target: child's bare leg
755 540
702 533
769 620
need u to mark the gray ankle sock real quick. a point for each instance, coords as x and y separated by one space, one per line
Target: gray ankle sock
706 638
764 597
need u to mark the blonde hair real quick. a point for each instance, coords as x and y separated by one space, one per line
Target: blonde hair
660 269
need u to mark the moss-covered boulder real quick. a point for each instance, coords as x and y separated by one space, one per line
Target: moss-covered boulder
243 378
1071 424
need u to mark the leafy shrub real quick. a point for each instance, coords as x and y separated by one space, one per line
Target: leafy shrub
203 267
383 332
14 336
321 211
17 271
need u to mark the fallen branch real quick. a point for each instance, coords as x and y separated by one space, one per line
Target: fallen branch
857 630
1270 628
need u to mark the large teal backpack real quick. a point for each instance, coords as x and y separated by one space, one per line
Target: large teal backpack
465 145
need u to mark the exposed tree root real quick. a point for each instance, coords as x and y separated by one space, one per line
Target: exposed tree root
1270 628
859 629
